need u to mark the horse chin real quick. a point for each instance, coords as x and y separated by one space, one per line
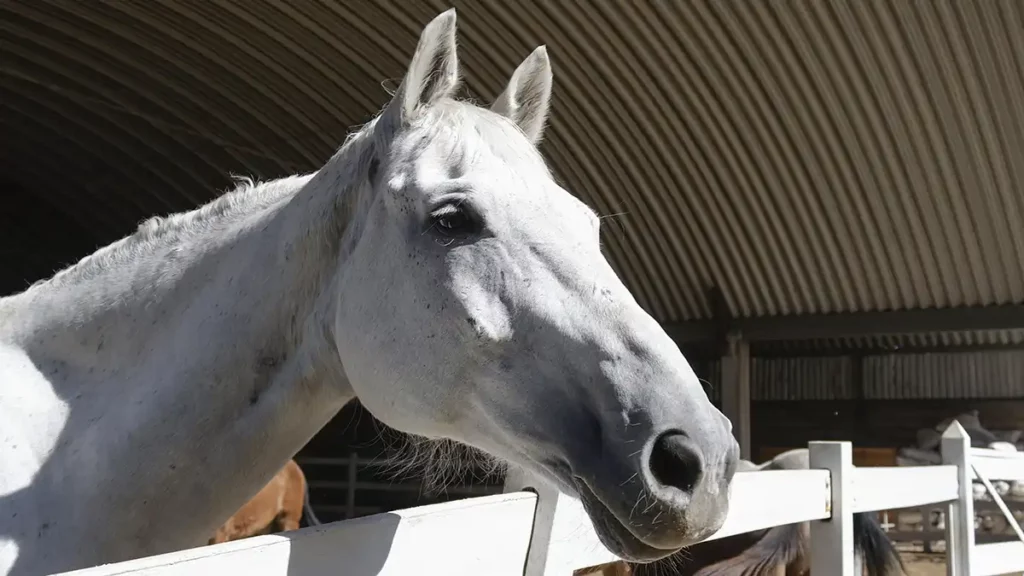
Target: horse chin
615 536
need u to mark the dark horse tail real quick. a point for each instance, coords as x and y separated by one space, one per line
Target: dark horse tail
778 548
788 546
879 553
307 510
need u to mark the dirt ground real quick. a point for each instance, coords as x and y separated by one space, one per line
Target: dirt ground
916 563
921 564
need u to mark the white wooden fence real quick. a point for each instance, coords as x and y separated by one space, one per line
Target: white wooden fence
535 531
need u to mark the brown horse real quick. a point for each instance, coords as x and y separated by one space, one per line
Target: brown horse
278 507
778 551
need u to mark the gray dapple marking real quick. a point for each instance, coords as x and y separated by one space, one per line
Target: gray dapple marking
432 268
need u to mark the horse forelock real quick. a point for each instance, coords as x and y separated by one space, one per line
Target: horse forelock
465 132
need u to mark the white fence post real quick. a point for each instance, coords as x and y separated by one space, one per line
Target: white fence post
517 480
956 450
832 539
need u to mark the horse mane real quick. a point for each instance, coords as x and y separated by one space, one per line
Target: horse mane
247 196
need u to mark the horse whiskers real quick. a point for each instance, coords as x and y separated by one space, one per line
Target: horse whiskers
639 498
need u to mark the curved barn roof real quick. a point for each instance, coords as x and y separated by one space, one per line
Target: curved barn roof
801 157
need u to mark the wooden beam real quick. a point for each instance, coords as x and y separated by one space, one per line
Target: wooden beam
697 351
857 324
721 317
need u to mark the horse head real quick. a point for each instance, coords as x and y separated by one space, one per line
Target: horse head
475 305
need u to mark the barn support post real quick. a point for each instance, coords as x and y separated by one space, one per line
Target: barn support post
832 539
736 390
956 451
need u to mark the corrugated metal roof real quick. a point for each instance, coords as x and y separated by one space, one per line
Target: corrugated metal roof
802 156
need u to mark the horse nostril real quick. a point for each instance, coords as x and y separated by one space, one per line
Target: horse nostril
675 462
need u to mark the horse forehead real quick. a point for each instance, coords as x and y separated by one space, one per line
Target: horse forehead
540 204
508 183
480 167
472 139
490 158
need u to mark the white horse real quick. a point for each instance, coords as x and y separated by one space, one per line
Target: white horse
432 268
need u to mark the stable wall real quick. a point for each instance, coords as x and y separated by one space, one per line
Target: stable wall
870 423
875 400
971 374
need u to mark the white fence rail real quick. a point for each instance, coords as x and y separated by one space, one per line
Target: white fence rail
542 533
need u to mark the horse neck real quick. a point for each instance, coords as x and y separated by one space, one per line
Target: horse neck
215 347
246 284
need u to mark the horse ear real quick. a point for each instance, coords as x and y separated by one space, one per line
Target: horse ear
527 97
433 72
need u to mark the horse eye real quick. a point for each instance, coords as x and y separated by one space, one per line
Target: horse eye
452 220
